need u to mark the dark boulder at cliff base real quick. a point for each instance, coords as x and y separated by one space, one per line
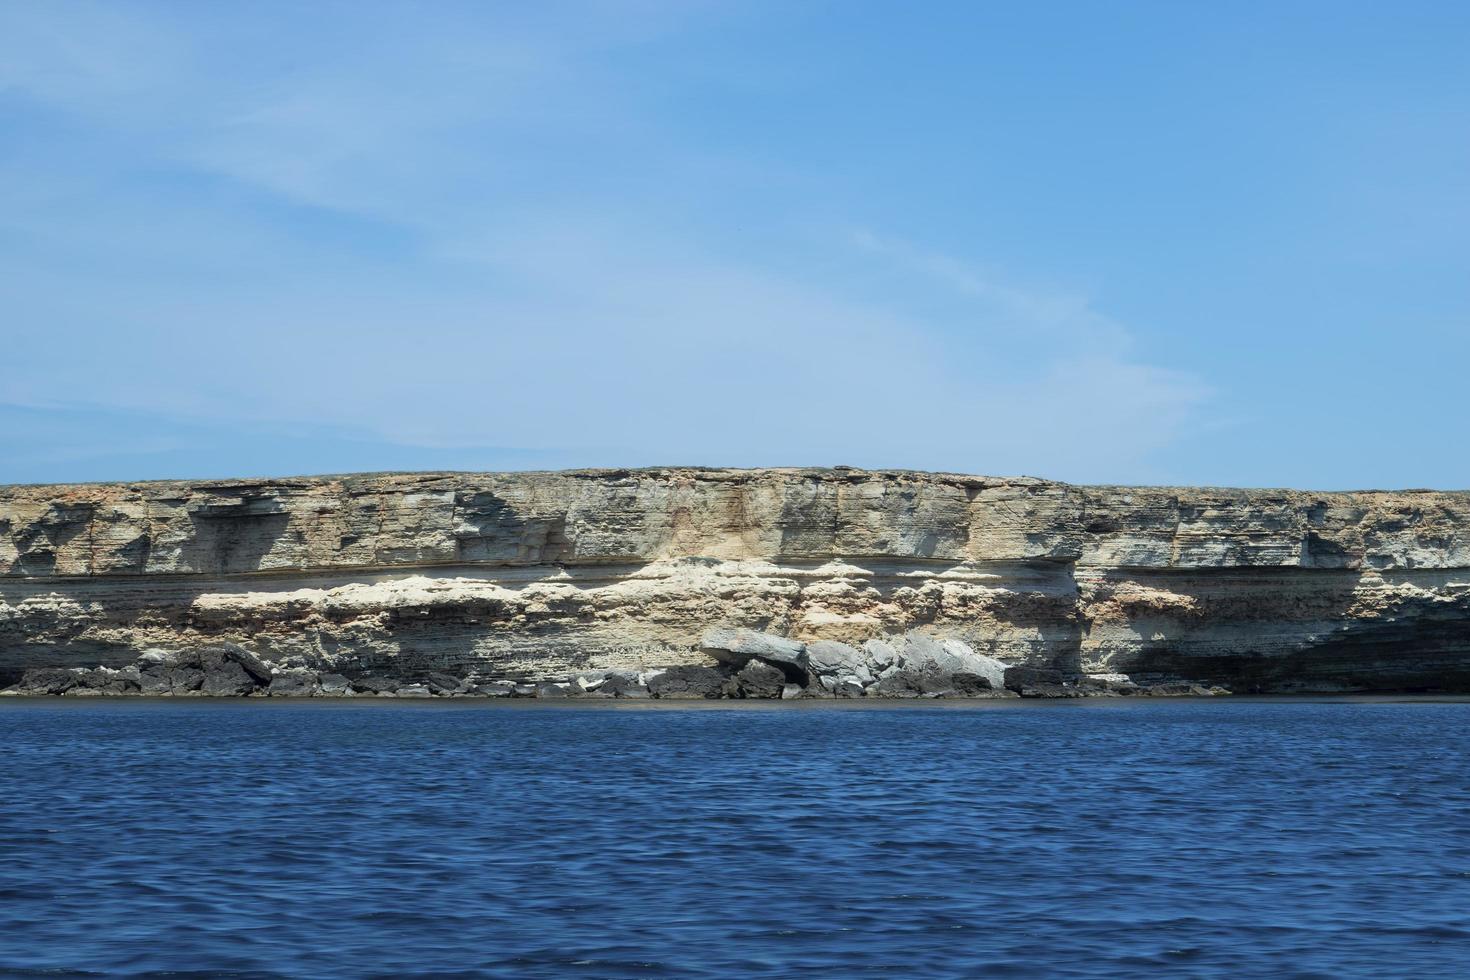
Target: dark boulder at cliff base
688 682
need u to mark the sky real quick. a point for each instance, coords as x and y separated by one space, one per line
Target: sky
1130 242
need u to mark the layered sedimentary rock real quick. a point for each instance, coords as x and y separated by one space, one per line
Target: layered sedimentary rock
533 576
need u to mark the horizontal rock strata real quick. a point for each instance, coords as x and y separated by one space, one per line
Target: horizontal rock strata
527 579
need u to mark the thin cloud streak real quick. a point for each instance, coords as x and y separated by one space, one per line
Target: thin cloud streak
466 312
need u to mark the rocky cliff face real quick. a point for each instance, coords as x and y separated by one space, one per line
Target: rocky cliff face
532 575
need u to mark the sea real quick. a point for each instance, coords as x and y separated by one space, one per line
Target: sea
1106 838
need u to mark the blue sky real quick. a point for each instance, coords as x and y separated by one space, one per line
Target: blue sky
1124 242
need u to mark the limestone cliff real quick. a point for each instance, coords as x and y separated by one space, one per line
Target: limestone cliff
536 574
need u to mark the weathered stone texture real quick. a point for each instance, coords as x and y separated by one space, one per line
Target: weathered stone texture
532 575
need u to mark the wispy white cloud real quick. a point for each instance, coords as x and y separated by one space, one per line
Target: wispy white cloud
523 307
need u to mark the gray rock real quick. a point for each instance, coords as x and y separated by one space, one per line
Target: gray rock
966 685
898 683
229 679
94 677
156 680
189 657
334 684
525 690
624 686
791 692
48 680
1176 689
1017 678
738 646
293 684
968 661
881 656
828 658
590 681
1051 691
441 683
374 684
252 665
1108 683
550 689
111 681
688 682
497 689
926 654
758 680
185 680
414 691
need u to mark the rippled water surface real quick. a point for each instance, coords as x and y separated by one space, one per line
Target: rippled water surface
1201 838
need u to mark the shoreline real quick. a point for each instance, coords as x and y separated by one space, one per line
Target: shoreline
734 704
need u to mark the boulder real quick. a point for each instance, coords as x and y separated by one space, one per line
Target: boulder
414 691
550 689
737 647
94 677
293 684
47 680
497 689
1051 691
965 685
687 682
189 657
898 683
107 680
185 680
1177 689
441 683
924 653
334 684
156 679
624 685
1110 683
757 680
880 655
1017 678
375 684
828 658
229 679
918 665
234 652
590 681
791 692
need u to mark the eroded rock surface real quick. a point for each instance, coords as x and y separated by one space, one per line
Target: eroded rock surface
529 579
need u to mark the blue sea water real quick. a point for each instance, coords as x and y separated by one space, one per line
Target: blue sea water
1213 838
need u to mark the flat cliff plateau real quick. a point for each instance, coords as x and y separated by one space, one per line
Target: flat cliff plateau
557 582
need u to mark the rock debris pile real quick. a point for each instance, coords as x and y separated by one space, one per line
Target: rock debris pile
750 665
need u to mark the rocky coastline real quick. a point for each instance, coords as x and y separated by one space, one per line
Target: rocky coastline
687 582
749 665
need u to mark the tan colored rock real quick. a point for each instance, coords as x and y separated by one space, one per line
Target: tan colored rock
546 574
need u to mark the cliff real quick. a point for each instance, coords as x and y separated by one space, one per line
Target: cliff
534 575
